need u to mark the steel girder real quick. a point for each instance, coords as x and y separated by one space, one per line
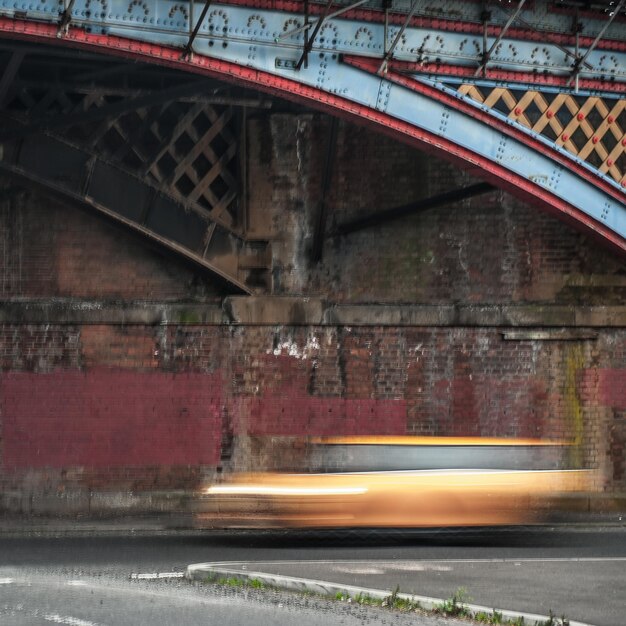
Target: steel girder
247 45
83 177
134 142
539 41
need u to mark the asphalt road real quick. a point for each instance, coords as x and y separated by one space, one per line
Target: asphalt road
91 580
37 599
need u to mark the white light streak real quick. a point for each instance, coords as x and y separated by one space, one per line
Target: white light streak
264 490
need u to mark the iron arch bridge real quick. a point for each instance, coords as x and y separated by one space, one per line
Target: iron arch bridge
529 96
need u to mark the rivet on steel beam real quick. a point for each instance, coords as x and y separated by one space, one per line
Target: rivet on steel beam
610 162
610 119
518 111
565 136
550 115
624 142
595 139
580 117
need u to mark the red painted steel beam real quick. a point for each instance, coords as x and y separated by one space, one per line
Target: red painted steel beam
371 65
434 23
336 105
495 73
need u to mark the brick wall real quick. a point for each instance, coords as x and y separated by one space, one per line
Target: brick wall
45 254
490 248
88 401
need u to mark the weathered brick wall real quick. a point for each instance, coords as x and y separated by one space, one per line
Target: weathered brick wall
490 248
262 381
90 402
51 251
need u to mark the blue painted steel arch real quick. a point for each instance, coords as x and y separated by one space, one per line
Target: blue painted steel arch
260 40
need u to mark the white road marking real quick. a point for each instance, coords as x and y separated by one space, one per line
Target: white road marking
156 575
408 564
70 621
424 566
404 567
591 559
352 569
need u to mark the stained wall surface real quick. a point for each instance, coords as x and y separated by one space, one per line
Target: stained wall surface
125 369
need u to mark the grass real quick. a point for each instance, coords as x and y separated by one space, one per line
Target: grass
454 606
400 604
238 583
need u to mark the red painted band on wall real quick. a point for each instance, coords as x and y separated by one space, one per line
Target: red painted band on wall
108 418
612 388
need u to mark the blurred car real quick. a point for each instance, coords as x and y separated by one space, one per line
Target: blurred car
398 482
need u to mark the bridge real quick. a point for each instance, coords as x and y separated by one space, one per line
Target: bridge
527 96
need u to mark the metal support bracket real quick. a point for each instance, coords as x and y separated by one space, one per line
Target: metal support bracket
482 68
320 227
333 15
578 64
66 18
188 52
383 66
374 219
308 42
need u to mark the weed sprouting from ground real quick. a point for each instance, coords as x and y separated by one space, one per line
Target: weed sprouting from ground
555 621
455 605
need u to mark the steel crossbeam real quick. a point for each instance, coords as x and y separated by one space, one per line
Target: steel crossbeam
66 17
205 9
579 62
310 39
535 48
330 16
49 122
382 217
487 56
82 177
241 44
389 52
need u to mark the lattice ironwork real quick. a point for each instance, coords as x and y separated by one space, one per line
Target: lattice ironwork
180 132
156 150
188 148
592 128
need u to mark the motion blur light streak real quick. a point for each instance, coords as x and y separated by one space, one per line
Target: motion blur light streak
259 490
373 482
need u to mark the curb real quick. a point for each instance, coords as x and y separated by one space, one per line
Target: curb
212 572
13 527
28 526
